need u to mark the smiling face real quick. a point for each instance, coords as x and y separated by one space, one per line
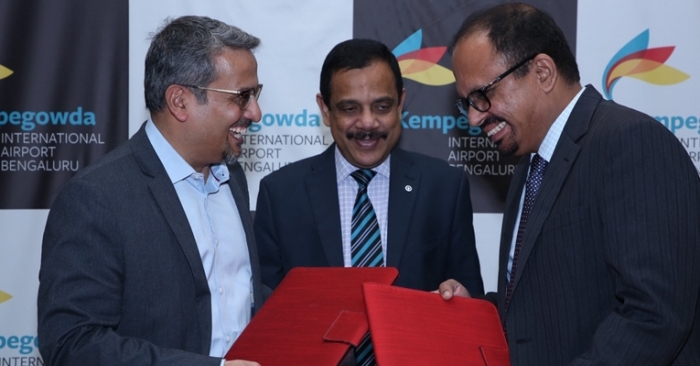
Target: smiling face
512 122
364 113
216 127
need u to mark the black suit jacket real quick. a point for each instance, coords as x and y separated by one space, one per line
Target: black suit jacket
121 280
608 270
430 233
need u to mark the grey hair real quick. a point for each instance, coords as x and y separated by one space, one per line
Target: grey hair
182 52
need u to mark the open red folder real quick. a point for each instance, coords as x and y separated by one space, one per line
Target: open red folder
411 327
316 316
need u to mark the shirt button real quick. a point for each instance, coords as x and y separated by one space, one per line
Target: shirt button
221 290
228 339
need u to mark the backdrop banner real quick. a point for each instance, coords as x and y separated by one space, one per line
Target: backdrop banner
645 55
63 93
71 89
63 104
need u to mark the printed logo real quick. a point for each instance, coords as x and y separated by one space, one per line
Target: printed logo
638 61
5 72
4 296
420 64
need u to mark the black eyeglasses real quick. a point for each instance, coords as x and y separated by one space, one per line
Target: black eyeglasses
478 99
243 95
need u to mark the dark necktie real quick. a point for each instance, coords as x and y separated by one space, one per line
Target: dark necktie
366 243
366 247
534 179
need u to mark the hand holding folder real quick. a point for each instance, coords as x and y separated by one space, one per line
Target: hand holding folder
316 316
411 327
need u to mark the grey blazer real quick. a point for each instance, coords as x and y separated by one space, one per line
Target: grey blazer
121 279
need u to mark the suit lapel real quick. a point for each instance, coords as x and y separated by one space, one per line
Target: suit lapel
510 215
557 171
239 189
401 201
166 198
322 188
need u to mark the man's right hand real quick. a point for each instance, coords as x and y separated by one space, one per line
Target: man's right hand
451 288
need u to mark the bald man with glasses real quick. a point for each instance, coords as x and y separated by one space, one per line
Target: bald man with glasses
600 238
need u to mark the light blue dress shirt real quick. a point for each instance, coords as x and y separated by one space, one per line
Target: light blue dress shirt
221 240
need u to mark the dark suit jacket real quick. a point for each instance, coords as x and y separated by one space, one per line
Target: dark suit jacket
430 233
608 270
121 280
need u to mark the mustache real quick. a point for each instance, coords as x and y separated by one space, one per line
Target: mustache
245 122
367 135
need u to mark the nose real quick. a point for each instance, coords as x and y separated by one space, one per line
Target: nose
367 119
253 111
475 117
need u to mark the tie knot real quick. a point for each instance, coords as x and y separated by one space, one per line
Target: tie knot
363 176
538 165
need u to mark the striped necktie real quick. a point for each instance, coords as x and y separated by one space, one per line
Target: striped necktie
366 248
365 238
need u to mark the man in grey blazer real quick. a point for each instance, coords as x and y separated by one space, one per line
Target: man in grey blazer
600 239
148 255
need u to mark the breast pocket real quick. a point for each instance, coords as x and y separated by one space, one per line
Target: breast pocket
562 220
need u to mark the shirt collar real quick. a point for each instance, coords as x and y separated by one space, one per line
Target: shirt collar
550 141
176 167
343 168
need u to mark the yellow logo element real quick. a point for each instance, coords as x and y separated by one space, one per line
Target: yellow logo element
4 296
5 72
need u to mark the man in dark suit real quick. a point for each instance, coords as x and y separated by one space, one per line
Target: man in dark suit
148 255
600 239
420 206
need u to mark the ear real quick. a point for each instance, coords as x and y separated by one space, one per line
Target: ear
176 99
546 72
325 112
402 97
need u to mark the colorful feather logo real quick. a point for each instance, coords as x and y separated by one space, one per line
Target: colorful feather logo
421 64
638 61
5 72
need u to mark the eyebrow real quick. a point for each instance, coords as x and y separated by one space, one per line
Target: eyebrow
374 101
384 100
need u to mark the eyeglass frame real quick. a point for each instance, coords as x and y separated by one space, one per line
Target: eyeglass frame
254 92
482 91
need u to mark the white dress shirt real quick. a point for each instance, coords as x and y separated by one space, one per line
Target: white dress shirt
546 151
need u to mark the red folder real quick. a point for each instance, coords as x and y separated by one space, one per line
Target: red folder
411 327
314 317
